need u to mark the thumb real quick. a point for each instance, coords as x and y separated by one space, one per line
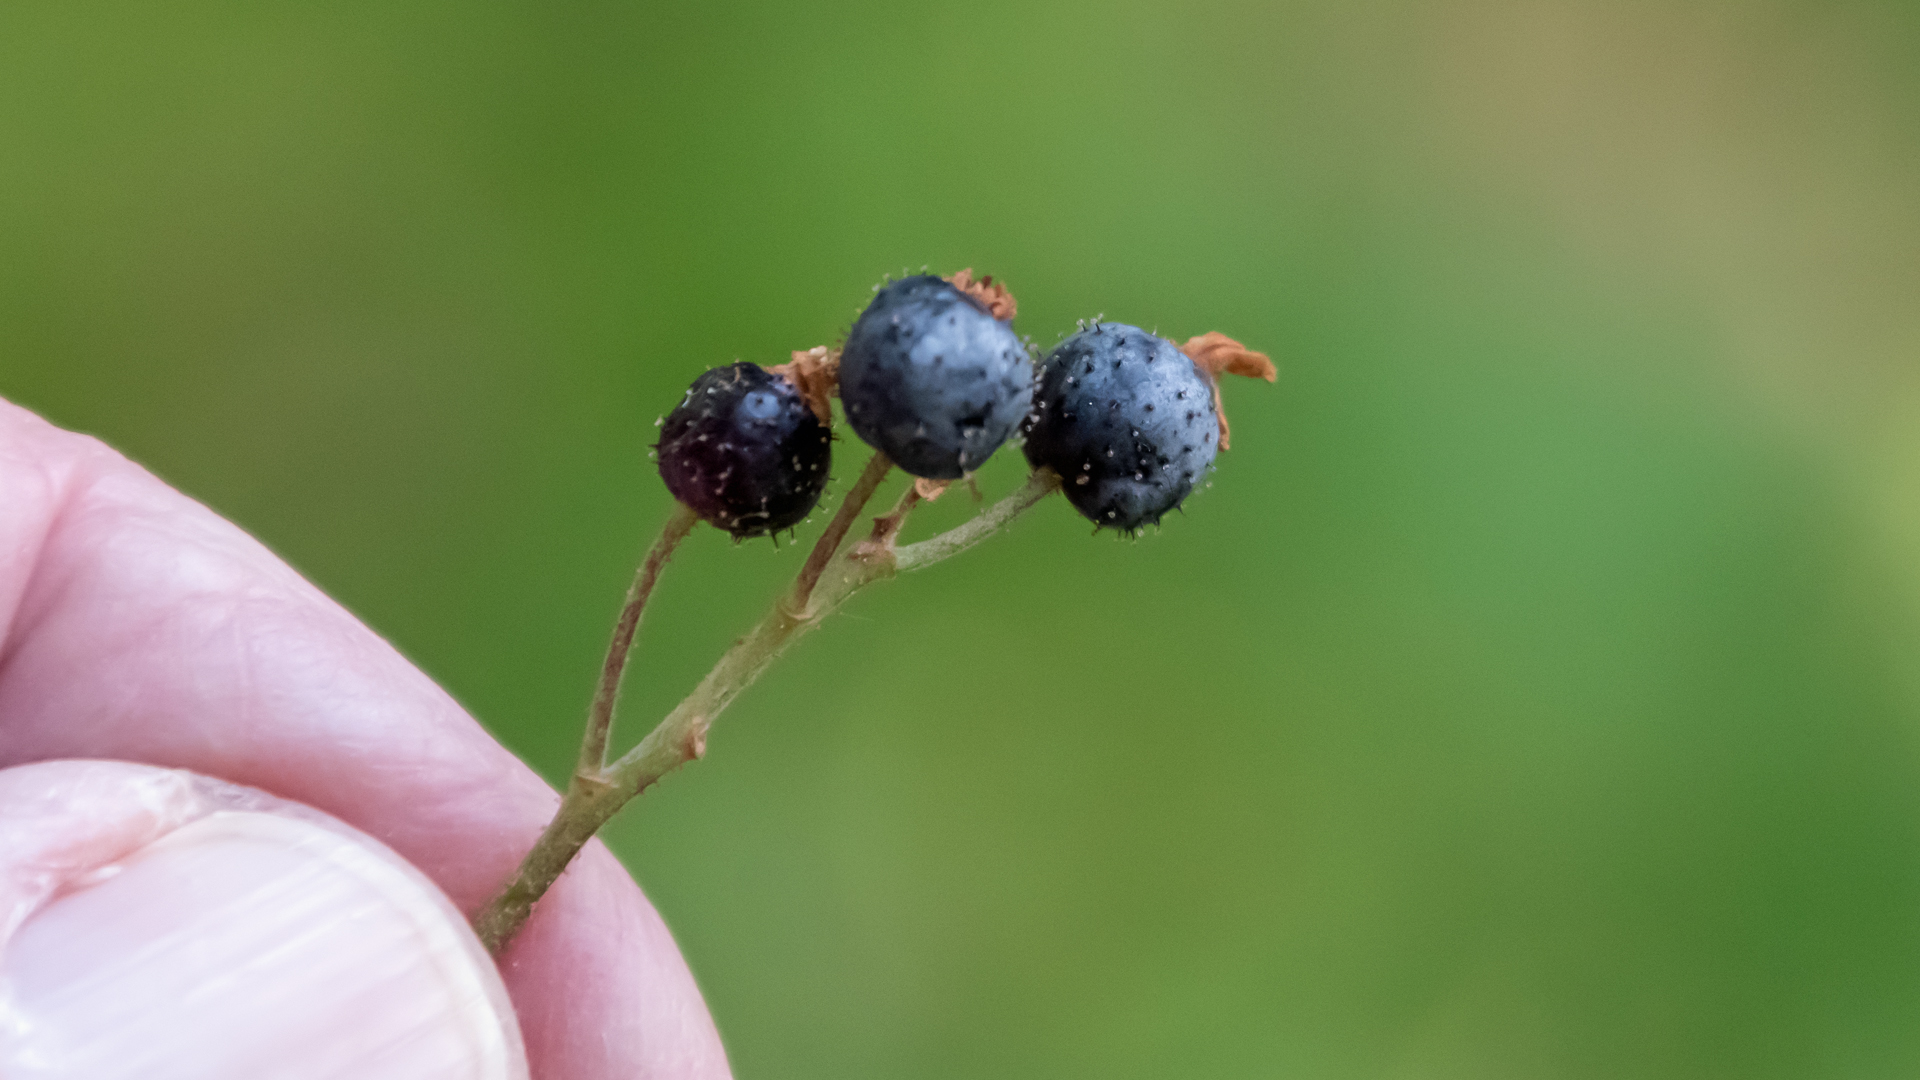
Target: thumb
158 924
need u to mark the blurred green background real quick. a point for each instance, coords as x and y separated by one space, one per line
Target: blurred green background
1534 694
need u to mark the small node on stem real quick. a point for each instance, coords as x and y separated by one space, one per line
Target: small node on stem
695 743
594 784
886 527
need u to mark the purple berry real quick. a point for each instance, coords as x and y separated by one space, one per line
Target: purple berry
745 451
933 375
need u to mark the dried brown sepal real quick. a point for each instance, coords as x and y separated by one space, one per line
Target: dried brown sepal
986 292
815 373
929 490
1215 353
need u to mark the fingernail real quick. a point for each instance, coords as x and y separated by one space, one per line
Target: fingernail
250 944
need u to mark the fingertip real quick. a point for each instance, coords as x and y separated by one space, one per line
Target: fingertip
204 930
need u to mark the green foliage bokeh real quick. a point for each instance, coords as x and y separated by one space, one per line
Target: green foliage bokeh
1532 695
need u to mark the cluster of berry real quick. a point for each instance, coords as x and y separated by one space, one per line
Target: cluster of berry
933 376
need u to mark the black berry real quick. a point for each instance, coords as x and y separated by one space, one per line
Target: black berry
745 451
1131 421
932 378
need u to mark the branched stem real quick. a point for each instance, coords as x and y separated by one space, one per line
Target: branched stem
827 580
829 542
886 527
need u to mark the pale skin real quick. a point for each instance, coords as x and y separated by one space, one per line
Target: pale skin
140 626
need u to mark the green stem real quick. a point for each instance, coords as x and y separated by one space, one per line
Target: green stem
682 736
919 556
585 807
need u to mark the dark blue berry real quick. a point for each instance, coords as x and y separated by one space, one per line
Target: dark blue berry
932 379
1128 422
745 451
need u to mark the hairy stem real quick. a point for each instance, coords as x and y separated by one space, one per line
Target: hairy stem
586 806
824 584
593 746
919 556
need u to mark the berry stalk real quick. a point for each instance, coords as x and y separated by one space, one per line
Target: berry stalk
593 745
1041 484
